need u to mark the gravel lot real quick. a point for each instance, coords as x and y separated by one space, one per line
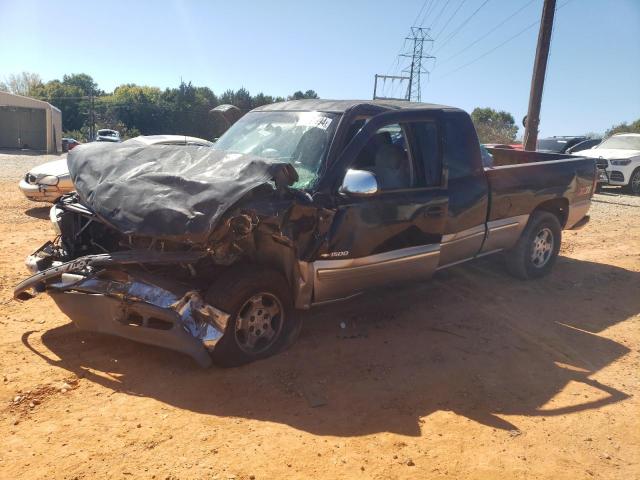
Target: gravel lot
472 376
14 164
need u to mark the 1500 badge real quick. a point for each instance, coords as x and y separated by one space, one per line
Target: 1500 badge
344 253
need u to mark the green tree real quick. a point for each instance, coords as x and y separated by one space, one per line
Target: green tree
82 81
633 127
494 126
71 96
69 99
299 95
135 106
261 99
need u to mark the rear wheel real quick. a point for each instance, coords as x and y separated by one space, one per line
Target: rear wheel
262 320
537 249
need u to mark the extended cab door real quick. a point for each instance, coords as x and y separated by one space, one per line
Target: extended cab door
390 229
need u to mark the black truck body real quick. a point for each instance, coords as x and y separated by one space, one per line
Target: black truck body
398 191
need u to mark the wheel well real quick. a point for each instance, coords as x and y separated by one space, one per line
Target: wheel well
558 206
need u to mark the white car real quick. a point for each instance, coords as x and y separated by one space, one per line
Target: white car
51 180
620 155
107 135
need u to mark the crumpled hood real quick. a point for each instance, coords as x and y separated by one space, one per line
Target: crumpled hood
56 167
608 153
173 192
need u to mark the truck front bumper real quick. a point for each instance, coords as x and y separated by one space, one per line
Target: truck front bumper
130 304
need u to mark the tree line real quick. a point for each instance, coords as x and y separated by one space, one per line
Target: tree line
144 110
137 109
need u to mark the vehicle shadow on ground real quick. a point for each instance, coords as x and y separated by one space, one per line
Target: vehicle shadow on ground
472 341
38 212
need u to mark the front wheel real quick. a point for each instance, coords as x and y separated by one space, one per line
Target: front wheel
538 247
634 182
262 320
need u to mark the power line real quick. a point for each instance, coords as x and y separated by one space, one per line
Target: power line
493 49
513 37
455 12
419 13
427 12
456 31
435 20
489 32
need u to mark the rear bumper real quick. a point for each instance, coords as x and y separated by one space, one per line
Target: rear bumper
577 212
581 223
39 193
132 305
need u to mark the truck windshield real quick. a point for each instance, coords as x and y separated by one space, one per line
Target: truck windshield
622 142
300 138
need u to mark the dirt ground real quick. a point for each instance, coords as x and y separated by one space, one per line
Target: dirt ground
471 375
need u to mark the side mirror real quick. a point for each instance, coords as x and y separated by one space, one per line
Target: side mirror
359 183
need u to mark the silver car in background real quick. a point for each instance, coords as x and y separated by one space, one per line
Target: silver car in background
51 180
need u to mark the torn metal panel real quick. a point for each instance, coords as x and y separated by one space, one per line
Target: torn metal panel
80 264
132 307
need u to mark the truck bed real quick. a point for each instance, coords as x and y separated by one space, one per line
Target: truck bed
520 179
505 156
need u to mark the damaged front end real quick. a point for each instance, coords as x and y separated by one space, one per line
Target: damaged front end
111 294
138 258
138 288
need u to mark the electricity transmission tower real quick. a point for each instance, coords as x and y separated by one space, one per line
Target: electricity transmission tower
415 70
411 74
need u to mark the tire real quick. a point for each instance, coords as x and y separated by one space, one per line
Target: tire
634 182
537 249
244 292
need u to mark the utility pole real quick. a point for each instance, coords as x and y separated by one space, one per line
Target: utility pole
415 70
539 72
92 127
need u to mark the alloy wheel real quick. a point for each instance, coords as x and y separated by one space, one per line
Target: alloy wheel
259 323
542 248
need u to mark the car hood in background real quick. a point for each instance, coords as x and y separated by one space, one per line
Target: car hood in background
57 168
169 192
608 153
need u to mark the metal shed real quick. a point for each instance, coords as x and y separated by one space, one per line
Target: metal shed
29 123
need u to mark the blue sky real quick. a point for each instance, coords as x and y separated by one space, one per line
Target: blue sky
335 47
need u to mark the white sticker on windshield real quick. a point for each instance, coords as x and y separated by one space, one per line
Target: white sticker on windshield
314 119
324 123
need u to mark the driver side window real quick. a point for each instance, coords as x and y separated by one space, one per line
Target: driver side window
386 155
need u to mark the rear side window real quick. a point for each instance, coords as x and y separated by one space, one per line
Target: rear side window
461 146
427 152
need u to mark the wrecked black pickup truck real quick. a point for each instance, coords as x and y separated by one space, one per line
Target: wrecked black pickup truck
210 251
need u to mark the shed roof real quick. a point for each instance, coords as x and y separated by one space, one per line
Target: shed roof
12 100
